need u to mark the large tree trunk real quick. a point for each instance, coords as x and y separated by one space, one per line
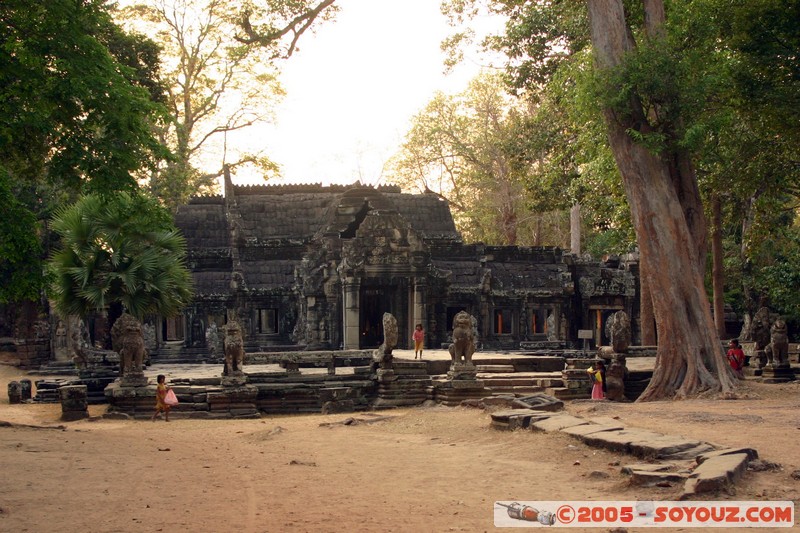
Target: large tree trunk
689 358
718 269
648 322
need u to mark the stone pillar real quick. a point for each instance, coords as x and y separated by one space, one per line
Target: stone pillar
14 392
419 304
25 389
575 229
74 402
351 288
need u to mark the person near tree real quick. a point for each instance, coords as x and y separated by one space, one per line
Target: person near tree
736 358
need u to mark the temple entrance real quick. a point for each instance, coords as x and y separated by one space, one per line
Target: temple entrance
375 301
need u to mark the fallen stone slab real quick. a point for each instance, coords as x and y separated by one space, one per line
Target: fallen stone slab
589 429
558 422
619 441
644 478
667 446
511 419
690 453
751 453
649 467
540 401
716 473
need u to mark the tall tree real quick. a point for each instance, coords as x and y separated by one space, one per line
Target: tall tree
472 150
667 211
220 73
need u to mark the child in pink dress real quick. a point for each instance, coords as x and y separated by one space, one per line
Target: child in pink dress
598 376
419 337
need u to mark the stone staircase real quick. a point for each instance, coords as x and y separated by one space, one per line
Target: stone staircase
504 379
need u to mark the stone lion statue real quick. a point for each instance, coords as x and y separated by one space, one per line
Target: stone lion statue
618 330
778 348
463 339
383 354
615 381
234 348
760 328
128 341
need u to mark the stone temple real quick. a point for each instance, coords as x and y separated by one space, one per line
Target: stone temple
311 267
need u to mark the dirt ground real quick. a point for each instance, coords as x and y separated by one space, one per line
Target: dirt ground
420 469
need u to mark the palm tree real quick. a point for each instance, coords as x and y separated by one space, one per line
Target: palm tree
119 252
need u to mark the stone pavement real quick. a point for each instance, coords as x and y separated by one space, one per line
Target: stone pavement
701 466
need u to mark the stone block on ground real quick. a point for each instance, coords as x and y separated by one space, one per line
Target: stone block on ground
645 478
558 422
667 446
74 403
648 467
590 429
618 441
541 401
715 474
510 419
751 453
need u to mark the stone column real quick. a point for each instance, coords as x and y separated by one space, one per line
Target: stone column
351 288
575 229
14 392
419 304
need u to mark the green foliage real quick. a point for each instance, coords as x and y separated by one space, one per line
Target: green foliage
120 248
76 114
20 249
69 112
472 149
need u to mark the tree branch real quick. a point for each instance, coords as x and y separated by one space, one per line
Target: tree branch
296 26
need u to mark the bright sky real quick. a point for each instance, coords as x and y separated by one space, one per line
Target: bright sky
352 90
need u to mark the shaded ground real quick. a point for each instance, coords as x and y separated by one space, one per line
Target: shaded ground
423 469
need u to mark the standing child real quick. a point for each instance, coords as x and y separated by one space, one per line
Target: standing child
161 393
419 337
598 376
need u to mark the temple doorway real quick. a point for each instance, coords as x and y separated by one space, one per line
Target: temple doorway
375 301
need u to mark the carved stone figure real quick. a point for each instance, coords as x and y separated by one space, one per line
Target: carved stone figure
80 341
463 339
383 354
778 348
615 381
128 341
197 332
234 348
212 339
761 335
61 335
552 331
618 329
760 328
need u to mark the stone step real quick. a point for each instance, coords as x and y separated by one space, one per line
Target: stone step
516 389
563 393
505 380
495 369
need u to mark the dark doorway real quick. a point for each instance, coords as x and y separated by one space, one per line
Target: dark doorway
374 302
